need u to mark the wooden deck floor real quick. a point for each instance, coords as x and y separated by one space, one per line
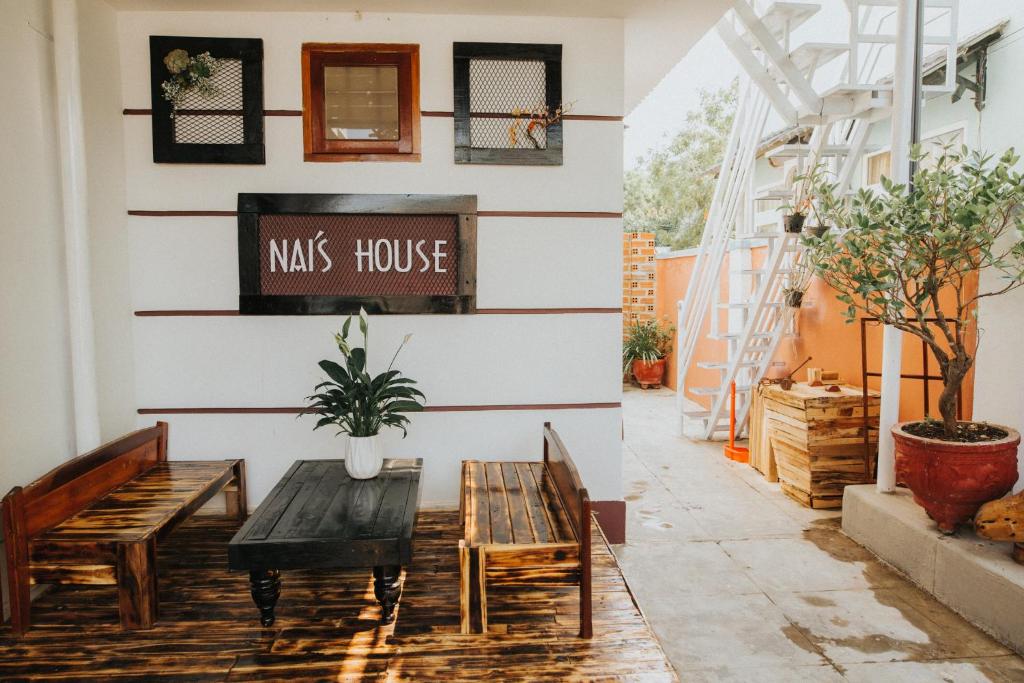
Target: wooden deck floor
327 625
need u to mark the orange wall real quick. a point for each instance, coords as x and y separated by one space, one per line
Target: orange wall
821 333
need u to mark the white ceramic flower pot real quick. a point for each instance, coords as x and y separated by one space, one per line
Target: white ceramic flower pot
364 457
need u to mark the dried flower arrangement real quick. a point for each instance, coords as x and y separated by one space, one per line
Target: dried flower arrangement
188 74
528 121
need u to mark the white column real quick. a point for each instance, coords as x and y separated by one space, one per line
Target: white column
76 223
906 90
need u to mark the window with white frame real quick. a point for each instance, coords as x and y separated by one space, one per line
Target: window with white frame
880 163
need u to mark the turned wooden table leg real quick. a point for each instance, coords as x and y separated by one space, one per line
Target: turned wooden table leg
266 588
387 587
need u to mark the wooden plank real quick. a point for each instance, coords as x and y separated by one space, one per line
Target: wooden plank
277 501
310 476
313 515
561 527
479 531
501 523
86 574
539 522
565 477
49 509
522 529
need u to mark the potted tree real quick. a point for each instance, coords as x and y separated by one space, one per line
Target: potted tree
643 353
361 405
909 257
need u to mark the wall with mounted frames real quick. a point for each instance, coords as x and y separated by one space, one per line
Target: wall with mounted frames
546 342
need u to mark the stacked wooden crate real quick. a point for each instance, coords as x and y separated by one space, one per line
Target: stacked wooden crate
818 440
637 278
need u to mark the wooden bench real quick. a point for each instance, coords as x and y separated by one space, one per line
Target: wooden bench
96 520
524 523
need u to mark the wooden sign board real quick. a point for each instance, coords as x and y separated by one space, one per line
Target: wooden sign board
308 254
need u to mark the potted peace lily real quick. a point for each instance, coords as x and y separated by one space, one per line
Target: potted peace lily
910 258
644 350
362 405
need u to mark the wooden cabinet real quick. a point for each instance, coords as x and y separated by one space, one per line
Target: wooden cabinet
818 441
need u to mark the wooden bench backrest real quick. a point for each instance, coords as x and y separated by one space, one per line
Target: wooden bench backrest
70 488
567 480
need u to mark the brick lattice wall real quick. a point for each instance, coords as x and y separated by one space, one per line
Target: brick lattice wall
638 278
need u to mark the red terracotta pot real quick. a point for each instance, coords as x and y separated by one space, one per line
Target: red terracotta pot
951 480
649 372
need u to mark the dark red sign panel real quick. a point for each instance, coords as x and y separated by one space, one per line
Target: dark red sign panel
324 254
359 254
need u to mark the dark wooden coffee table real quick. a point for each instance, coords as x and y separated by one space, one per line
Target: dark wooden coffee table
318 517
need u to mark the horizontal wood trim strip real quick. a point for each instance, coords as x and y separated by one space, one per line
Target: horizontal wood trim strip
435 114
428 409
544 311
549 214
480 214
166 214
482 311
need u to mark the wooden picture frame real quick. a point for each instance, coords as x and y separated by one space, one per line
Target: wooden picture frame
466 152
317 56
251 149
252 300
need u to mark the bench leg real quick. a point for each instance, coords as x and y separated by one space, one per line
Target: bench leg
463 587
481 572
137 584
387 588
265 587
235 499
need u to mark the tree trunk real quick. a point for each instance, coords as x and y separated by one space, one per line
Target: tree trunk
953 373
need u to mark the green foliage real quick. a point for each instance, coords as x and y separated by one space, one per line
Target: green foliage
669 193
648 340
355 402
905 255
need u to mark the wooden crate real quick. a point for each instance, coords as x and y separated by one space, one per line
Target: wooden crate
761 457
817 439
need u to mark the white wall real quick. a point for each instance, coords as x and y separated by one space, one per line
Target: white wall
36 422
109 240
999 374
191 263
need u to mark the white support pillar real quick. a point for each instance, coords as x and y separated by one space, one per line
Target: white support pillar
76 224
905 101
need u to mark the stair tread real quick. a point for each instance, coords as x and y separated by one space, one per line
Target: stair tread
711 391
761 271
782 16
721 365
747 304
795 151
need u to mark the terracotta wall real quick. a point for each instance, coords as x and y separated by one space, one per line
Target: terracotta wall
822 334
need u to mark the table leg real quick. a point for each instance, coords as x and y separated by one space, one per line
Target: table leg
266 588
387 588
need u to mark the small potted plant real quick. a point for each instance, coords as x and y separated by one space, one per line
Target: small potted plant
362 405
793 222
908 256
643 353
793 297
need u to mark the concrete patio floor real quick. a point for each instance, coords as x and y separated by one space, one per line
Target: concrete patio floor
740 583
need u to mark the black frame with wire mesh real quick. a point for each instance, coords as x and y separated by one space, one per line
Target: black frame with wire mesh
491 81
224 129
456 296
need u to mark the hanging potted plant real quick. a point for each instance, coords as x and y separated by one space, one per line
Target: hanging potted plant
907 256
644 351
794 215
360 405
